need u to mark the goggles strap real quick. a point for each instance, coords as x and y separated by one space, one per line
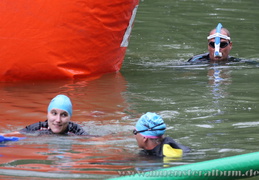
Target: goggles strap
218 35
152 128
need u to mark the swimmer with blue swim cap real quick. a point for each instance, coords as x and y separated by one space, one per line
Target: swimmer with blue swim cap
58 121
151 125
149 133
61 102
59 113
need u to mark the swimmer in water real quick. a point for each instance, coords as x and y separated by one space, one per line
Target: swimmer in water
59 114
217 52
149 133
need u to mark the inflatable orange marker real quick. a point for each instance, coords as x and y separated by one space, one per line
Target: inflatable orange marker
54 39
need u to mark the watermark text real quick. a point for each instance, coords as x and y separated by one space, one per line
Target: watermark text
191 173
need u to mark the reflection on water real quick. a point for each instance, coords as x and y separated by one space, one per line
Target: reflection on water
99 106
205 107
97 100
219 81
211 109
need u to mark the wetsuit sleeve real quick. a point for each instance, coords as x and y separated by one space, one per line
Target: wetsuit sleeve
32 128
201 58
76 129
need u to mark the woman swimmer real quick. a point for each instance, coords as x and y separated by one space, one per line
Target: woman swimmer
58 120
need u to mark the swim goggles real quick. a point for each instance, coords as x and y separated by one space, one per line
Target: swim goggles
135 132
222 44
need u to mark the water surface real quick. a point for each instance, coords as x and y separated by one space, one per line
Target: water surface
212 109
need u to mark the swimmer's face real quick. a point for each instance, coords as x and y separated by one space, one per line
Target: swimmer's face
58 120
139 140
225 51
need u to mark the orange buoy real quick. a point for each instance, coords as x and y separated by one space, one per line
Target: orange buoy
53 39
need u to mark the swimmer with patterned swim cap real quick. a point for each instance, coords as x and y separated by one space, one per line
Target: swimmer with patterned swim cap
219 47
58 120
149 133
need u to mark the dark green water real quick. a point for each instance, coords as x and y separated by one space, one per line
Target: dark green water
212 109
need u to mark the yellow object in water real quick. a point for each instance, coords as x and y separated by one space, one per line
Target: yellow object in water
168 151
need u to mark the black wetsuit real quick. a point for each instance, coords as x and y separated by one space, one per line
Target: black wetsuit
159 150
42 128
205 58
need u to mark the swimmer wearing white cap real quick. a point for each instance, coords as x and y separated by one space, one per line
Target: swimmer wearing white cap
219 47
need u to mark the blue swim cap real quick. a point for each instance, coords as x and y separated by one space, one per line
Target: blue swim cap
151 124
61 102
